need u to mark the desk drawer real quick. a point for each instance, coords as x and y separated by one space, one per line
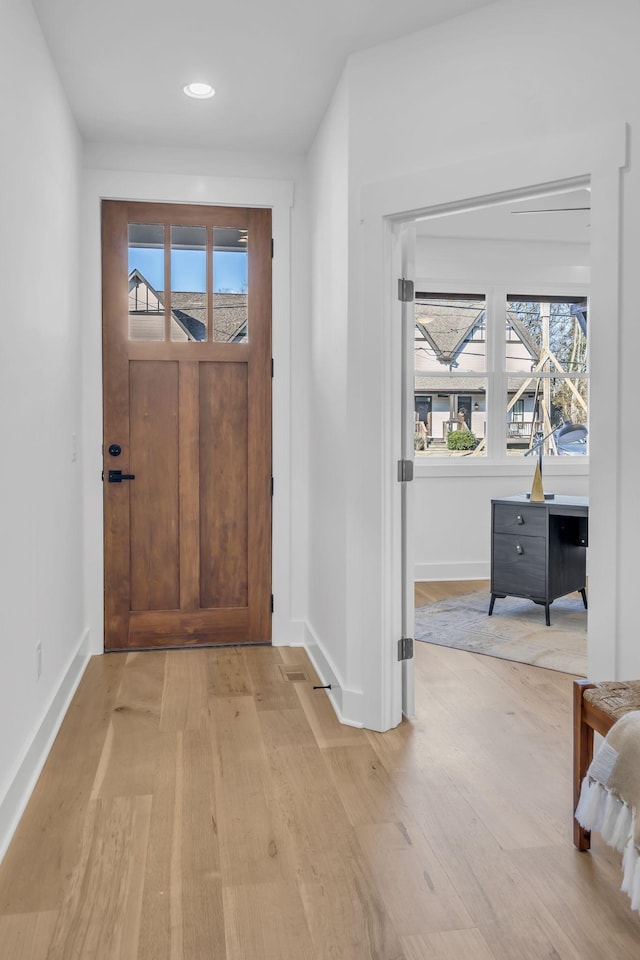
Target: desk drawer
519 565
520 519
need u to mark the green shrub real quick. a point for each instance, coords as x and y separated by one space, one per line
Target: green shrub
461 440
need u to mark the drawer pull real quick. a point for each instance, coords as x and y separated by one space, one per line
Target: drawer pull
519 549
519 518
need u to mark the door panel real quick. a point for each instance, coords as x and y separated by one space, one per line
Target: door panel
154 496
187 397
223 491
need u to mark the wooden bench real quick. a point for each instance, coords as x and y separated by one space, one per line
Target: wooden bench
596 707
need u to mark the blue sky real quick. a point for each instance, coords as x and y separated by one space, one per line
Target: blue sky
188 269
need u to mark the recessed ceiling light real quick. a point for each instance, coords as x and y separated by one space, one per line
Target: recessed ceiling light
199 91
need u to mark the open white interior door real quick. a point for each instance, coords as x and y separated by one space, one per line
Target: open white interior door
407 406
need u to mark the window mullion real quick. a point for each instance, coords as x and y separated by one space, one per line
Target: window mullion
496 385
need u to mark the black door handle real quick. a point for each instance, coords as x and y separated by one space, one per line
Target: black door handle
117 476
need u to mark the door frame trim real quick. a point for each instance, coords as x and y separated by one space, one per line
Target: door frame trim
596 153
101 185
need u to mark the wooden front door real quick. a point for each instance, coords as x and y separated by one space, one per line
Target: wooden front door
187 424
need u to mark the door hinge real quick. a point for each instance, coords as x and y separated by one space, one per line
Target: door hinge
272 485
271 603
405 471
272 248
272 367
405 648
405 290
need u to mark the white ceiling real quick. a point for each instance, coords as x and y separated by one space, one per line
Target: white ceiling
507 221
273 63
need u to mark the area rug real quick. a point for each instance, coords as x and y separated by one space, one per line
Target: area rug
516 631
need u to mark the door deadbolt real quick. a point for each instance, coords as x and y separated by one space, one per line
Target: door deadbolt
115 450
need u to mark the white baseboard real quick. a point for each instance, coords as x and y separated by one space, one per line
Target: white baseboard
346 702
21 785
479 570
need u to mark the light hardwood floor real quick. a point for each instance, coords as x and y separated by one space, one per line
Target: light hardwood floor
432 591
207 805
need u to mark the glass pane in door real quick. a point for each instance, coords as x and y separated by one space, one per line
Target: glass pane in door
189 283
146 281
230 284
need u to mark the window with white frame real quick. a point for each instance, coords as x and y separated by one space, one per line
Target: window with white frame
501 373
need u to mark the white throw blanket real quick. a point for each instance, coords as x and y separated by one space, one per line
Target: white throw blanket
610 798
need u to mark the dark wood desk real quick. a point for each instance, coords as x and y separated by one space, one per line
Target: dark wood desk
539 550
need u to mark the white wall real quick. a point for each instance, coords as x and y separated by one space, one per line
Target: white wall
497 77
329 431
41 404
452 516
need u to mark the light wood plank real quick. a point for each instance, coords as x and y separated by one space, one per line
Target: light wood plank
100 917
254 844
450 945
227 674
430 591
129 758
157 936
564 879
270 689
366 790
285 728
265 920
182 914
345 913
535 935
27 934
198 854
185 699
414 886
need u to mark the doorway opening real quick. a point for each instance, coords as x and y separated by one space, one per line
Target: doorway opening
500 371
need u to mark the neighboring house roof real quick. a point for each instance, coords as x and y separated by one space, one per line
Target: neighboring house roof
525 337
434 385
447 330
189 310
148 302
194 328
229 312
